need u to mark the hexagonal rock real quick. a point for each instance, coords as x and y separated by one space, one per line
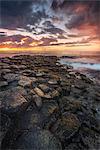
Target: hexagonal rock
39 74
55 93
4 65
14 66
5 71
3 83
37 139
22 67
48 95
11 77
12 101
39 92
44 87
37 100
52 82
20 90
24 81
66 127
49 108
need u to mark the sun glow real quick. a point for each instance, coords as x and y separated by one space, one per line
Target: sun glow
57 50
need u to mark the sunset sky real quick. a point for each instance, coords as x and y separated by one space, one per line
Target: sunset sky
50 26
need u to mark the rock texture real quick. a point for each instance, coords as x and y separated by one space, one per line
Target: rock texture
47 106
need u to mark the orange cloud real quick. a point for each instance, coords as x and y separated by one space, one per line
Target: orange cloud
23 40
36 43
87 29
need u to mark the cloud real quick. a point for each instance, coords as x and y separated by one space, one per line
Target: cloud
54 30
76 21
80 11
15 41
15 7
14 13
19 13
49 22
25 41
47 41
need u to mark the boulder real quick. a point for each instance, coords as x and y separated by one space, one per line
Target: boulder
12 101
5 71
4 65
24 81
3 83
10 77
52 82
22 67
14 66
55 93
37 100
39 92
39 74
44 87
48 95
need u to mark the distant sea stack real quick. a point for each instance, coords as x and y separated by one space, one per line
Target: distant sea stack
47 106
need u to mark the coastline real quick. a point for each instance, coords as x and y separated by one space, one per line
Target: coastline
43 99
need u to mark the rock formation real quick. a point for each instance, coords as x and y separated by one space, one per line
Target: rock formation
46 106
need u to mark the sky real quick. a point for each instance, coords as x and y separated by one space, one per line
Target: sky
57 27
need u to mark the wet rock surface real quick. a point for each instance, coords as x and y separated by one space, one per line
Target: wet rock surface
38 140
46 106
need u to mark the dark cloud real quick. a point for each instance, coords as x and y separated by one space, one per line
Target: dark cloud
19 13
82 41
76 21
81 11
54 30
14 8
2 34
17 39
61 36
76 45
74 35
47 41
51 17
14 13
48 24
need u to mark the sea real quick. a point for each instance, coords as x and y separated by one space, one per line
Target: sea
88 65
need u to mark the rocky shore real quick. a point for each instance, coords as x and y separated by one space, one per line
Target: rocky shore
46 106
